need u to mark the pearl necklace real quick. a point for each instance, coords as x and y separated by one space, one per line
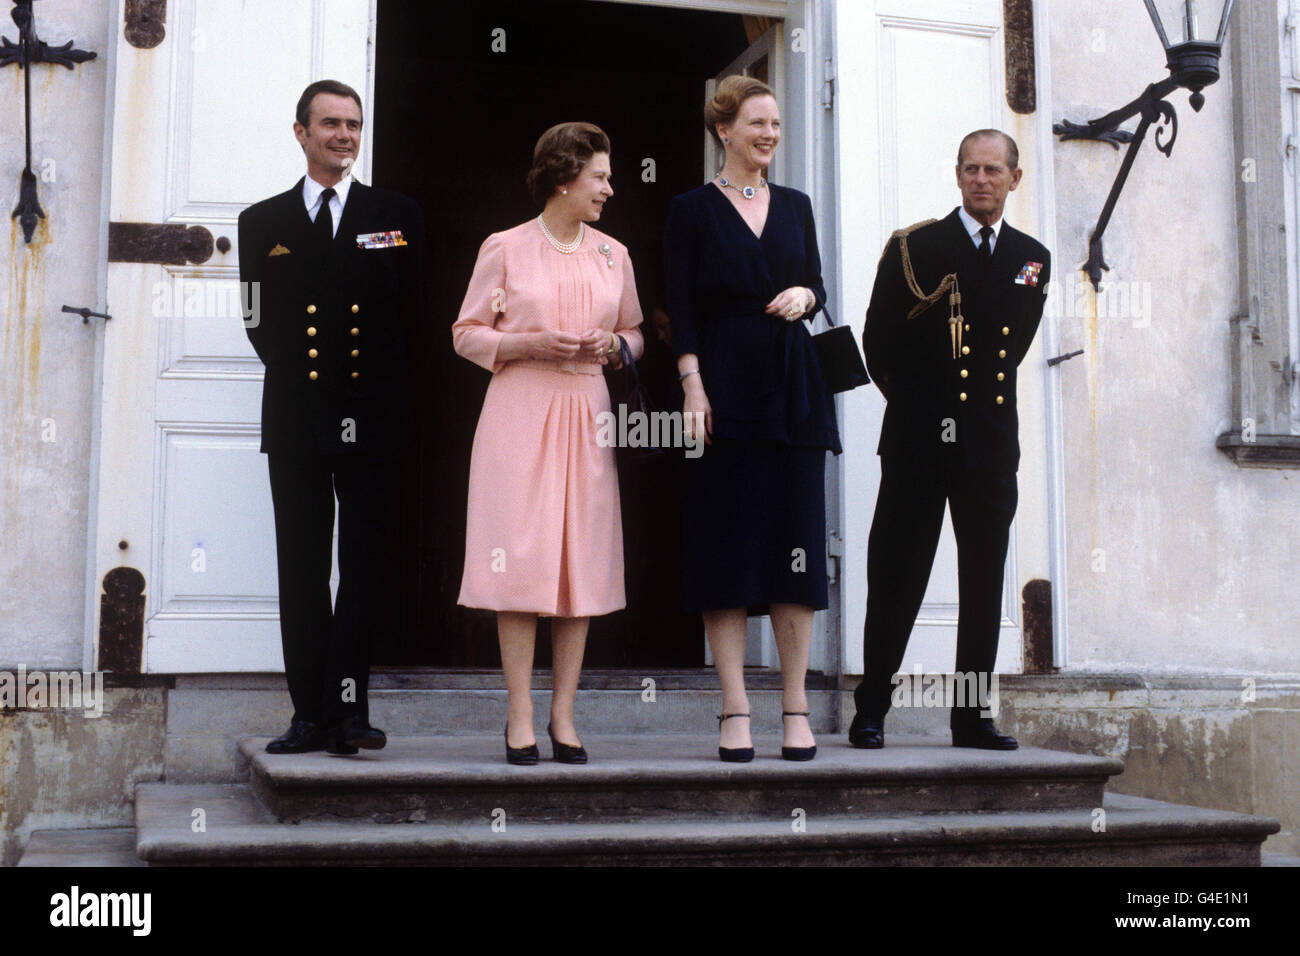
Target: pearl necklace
568 248
747 191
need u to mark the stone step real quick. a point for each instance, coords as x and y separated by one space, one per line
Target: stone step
1277 859
642 777
473 711
116 847
110 846
240 831
204 721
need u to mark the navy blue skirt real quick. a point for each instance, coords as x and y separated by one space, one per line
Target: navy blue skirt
754 527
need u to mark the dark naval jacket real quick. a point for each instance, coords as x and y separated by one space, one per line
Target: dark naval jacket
329 322
939 405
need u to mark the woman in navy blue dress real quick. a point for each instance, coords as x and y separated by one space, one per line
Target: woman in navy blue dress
742 273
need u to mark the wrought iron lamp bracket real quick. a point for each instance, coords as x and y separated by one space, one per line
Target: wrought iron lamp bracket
28 50
1152 108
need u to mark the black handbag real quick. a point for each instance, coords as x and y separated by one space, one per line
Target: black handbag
637 400
840 358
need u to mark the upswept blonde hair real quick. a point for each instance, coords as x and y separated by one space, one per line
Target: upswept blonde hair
726 101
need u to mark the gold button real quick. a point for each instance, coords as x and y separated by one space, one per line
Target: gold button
964 373
1005 330
311 353
1001 376
311 330
356 331
312 375
311 310
355 308
967 326
355 374
962 396
1002 353
1000 399
356 352
965 350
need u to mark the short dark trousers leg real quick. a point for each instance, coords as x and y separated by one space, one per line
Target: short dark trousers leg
366 489
900 553
754 527
302 495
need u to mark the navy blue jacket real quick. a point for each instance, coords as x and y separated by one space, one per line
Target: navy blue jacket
760 371
317 309
932 396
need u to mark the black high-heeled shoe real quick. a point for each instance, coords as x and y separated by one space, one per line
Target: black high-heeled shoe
563 753
521 756
797 753
734 754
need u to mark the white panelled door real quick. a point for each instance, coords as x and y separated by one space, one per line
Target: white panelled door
202 127
913 77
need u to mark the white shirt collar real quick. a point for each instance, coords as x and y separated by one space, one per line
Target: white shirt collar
311 191
973 227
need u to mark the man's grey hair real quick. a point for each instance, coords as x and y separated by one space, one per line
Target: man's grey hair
1013 151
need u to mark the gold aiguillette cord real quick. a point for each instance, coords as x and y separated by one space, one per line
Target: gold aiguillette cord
955 319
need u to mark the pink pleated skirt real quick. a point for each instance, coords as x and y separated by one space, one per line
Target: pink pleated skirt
544 531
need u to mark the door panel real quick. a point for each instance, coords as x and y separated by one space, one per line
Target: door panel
202 126
912 78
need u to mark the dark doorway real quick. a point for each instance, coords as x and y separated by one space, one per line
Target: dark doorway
454 127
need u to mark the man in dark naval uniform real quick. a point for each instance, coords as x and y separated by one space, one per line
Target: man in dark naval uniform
332 269
955 306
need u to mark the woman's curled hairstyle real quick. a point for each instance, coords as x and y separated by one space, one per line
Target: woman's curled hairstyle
560 154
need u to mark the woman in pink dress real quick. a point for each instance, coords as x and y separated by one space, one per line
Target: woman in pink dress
546 306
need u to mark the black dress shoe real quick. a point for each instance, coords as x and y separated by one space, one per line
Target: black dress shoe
353 734
564 753
340 747
867 733
303 736
521 756
982 735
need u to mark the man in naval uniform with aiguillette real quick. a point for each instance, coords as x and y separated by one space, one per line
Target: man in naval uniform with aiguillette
955 306
338 268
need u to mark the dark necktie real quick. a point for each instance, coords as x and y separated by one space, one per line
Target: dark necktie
986 250
325 219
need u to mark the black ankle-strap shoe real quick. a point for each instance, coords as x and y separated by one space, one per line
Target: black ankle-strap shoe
734 754
797 753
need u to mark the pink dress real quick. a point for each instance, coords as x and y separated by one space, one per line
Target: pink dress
544 532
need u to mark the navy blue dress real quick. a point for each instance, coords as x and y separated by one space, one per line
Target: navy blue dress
754 512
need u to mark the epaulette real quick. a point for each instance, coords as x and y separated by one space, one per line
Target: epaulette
900 235
926 299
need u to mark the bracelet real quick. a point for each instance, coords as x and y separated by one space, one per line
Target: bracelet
685 375
613 344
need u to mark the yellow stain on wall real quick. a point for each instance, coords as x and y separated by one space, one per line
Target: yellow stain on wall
1088 313
1094 359
21 357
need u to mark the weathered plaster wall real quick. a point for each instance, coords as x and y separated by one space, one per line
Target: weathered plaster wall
47 357
61 769
1178 558
1198 741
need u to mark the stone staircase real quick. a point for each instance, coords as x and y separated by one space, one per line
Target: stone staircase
666 799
